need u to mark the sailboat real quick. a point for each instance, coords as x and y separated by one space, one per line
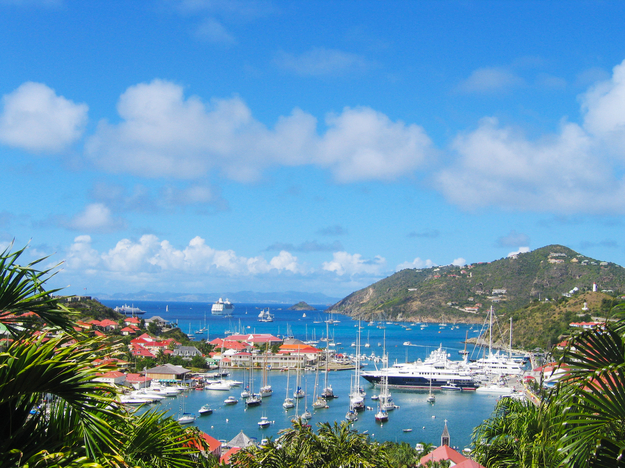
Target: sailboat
386 401
298 393
382 414
496 364
288 402
357 394
306 414
185 418
367 343
265 390
253 399
327 393
319 402
431 398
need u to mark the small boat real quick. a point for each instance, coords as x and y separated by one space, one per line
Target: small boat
306 415
351 416
264 422
320 403
451 386
407 430
218 385
431 399
288 403
381 416
253 400
186 418
206 409
245 393
375 397
231 400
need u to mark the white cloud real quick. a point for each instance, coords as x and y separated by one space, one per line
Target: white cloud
36 119
95 217
162 134
321 62
81 256
213 31
576 169
520 251
344 263
459 262
604 108
416 263
362 144
490 80
150 255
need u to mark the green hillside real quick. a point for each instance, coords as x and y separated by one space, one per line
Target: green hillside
464 294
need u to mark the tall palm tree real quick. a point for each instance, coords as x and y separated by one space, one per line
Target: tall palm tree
593 393
52 411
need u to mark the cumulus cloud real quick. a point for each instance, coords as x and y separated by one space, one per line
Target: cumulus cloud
573 170
490 80
520 251
416 263
95 217
344 263
81 255
513 239
36 119
362 144
162 133
321 62
604 109
459 262
150 255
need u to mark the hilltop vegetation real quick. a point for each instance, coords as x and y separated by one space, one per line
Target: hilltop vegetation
511 285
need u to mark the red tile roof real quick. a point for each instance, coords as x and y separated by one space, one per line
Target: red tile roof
444 452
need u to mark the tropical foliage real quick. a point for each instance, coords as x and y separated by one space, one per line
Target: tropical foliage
581 423
593 397
332 446
53 412
518 434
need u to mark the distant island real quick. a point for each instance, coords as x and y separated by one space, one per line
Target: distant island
301 306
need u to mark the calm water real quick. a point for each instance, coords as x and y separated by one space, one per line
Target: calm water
462 410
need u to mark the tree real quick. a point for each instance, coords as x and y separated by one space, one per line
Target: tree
402 455
518 434
332 446
593 394
53 412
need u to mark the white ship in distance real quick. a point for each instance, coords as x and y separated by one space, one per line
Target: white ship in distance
222 307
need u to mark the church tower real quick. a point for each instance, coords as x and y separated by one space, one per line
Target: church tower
445 435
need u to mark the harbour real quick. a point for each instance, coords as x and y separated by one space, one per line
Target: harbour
415 420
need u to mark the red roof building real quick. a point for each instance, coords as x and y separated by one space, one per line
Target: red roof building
225 458
444 452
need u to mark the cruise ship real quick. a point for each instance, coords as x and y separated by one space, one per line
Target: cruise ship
129 310
434 372
222 307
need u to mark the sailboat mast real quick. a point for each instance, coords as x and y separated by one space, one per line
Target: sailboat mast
490 333
327 356
510 349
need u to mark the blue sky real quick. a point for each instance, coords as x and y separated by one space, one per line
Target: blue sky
208 145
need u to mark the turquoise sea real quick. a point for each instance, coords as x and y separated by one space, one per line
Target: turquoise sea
462 410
